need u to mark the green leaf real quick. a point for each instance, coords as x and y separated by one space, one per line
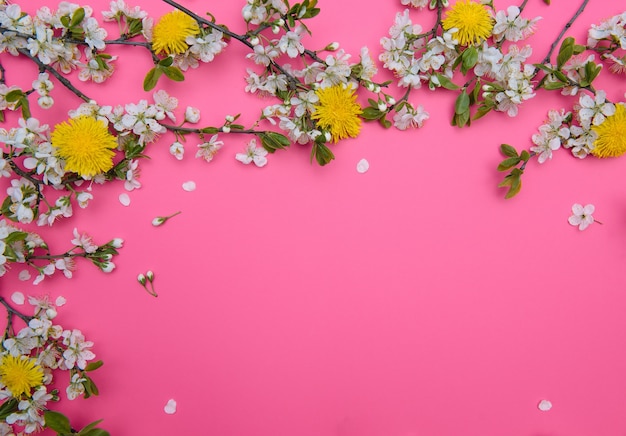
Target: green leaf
461 104
173 73
481 112
90 387
23 103
92 366
515 188
77 18
8 407
591 71
446 83
273 141
209 130
525 155
565 52
13 96
91 425
151 79
371 113
166 62
57 422
508 150
550 86
323 154
508 163
65 20
470 57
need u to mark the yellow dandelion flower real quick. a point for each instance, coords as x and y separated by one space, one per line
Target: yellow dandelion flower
611 140
338 112
170 33
20 374
85 144
473 21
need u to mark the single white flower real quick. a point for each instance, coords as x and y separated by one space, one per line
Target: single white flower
253 154
582 216
177 150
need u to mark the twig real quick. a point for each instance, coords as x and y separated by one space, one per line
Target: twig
565 29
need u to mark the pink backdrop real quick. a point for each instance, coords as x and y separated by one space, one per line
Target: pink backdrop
296 300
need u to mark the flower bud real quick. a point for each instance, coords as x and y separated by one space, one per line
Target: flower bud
51 313
192 114
390 100
382 107
158 221
117 243
226 129
280 22
230 118
328 136
255 41
275 29
333 46
141 279
107 267
150 276
376 89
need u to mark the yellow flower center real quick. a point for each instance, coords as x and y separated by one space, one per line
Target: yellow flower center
170 33
473 21
338 112
85 144
20 375
611 140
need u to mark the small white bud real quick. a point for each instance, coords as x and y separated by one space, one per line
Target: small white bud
255 41
117 243
390 100
230 118
158 221
382 107
281 22
226 129
107 267
370 86
141 279
275 29
51 313
192 114
333 46
150 276
376 89
328 136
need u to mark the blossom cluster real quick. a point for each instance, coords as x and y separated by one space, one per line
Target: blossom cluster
29 249
32 358
484 49
594 124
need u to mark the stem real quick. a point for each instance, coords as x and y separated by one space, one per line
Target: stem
200 131
56 74
57 256
565 29
11 312
2 74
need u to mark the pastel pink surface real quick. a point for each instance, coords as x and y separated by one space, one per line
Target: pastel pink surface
316 301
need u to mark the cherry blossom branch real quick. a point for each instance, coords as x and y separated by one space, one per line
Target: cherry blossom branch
11 312
56 74
563 31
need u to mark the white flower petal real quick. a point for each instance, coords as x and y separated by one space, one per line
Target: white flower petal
60 301
170 407
24 275
589 209
362 166
18 298
189 186
578 209
124 199
575 220
544 405
260 161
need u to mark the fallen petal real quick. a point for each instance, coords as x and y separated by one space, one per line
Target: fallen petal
189 186
544 405
124 199
18 298
170 407
362 166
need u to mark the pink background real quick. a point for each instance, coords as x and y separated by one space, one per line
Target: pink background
296 300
